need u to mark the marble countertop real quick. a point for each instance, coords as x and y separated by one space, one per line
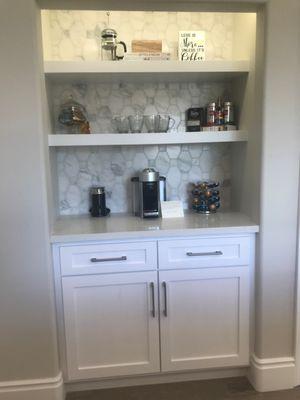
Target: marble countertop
124 226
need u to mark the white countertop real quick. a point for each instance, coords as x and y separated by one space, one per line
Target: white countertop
125 226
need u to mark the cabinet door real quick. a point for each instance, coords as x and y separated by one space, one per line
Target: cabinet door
111 324
204 318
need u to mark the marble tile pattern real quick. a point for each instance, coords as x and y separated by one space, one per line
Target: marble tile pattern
105 100
113 167
74 35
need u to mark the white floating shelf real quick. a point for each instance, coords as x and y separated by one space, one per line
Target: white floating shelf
135 139
144 70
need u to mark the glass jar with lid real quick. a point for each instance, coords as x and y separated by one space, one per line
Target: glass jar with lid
73 116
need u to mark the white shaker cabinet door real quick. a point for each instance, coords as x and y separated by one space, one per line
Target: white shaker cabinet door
111 324
204 318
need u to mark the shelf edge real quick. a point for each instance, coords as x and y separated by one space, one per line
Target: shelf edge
53 68
143 139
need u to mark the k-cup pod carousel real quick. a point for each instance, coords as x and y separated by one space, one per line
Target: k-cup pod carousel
206 197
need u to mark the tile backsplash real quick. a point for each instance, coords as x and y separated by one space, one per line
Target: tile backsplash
74 35
112 167
104 100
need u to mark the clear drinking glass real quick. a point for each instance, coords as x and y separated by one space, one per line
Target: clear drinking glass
136 123
151 122
122 123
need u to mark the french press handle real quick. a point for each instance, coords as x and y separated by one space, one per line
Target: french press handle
125 50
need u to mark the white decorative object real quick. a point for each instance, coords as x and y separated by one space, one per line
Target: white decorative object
172 209
191 46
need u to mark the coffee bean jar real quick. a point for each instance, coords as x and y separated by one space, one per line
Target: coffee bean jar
205 197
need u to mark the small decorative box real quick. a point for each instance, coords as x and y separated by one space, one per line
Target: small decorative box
194 119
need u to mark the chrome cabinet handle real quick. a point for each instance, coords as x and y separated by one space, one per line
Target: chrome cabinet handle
99 260
211 253
153 299
165 311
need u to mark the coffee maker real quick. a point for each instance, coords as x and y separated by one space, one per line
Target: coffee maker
109 41
98 202
149 189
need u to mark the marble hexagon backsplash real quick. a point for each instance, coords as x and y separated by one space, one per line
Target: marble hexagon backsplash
113 167
105 100
74 35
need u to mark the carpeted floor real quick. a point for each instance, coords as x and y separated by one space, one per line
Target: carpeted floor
221 389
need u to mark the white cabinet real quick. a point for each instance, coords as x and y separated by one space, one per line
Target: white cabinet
204 318
111 324
187 309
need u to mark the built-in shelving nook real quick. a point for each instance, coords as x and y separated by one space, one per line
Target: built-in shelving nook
74 65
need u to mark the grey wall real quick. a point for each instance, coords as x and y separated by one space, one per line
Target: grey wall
28 340
280 182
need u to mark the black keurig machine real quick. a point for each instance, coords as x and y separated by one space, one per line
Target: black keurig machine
98 202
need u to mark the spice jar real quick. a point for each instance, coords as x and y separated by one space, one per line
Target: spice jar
228 112
211 113
219 116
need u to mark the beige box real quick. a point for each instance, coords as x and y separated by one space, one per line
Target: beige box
146 46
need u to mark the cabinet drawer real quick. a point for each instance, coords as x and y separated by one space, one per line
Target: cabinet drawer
108 257
203 252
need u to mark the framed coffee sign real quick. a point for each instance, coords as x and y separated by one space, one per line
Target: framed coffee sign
191 46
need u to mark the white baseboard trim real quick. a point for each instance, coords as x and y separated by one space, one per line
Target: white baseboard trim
269 374
154 379
33 389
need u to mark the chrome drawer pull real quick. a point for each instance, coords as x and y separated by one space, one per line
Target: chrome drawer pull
165 311
99 260
153 299
211 253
